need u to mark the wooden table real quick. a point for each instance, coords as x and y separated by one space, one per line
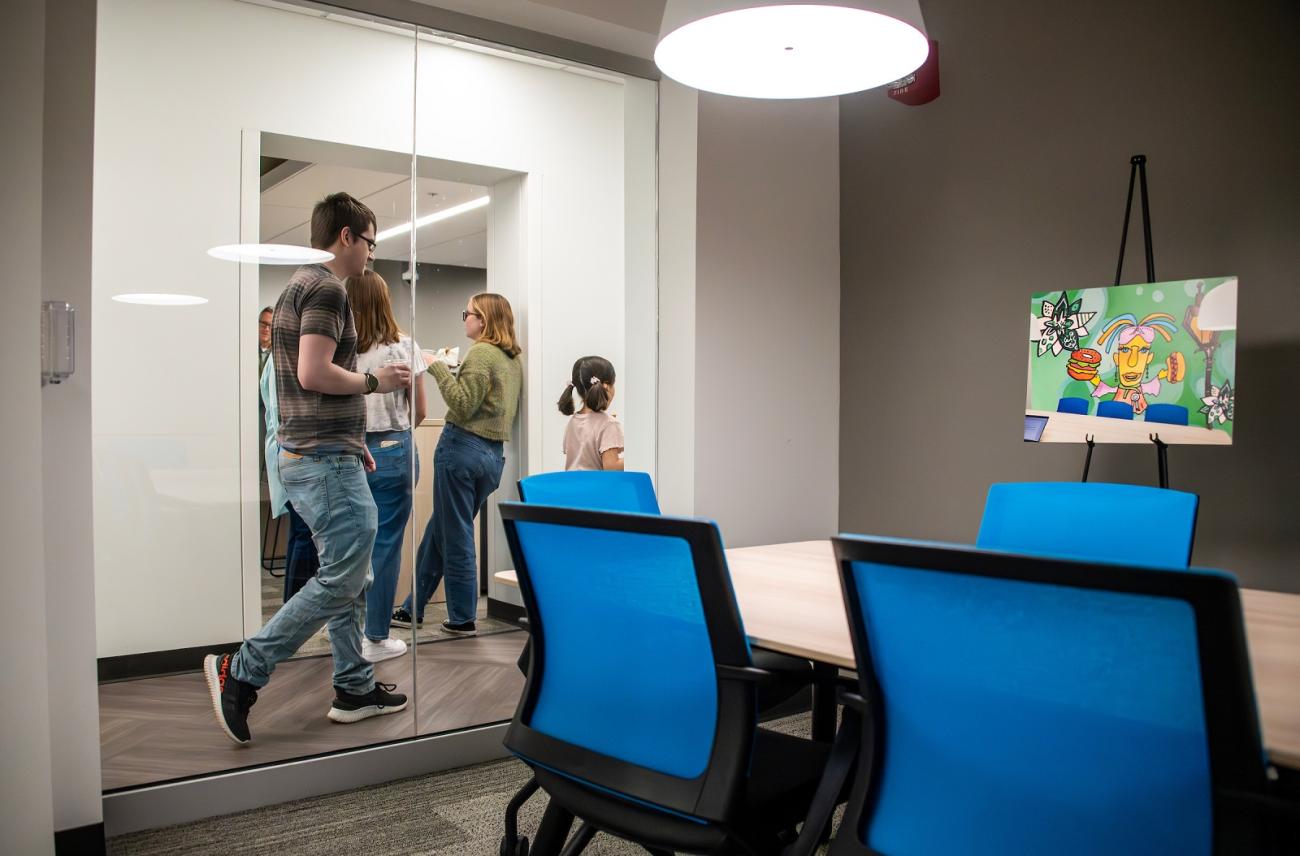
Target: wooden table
789 598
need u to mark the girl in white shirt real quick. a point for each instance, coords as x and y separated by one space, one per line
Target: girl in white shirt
593 439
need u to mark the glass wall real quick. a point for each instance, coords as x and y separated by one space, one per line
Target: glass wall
222 123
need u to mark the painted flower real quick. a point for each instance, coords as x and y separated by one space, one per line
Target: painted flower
1062 325
1219 405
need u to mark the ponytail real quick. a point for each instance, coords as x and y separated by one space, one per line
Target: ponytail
596 396
566 401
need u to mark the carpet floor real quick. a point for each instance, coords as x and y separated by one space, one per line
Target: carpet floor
453 813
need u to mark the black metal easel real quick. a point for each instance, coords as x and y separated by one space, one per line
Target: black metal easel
1137 176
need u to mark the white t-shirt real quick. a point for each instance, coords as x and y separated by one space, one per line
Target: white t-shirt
587 436
388 412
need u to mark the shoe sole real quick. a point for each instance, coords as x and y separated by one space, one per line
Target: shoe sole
214 692
473 632
383 655
406 625
338 714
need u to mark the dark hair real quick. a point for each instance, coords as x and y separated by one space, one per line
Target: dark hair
590 374
336 212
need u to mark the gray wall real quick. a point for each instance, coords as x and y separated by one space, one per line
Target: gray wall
1014 181
766 329
26 818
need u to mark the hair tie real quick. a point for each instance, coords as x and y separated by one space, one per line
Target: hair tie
594 380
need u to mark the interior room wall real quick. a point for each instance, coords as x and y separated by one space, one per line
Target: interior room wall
1013 181
67 462
26 816
490 110
766 319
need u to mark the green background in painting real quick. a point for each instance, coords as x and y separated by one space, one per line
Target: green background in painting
1048 381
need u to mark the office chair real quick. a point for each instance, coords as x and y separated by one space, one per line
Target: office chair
1169 414
1071 520
639 714
1022 705
1073 405
1115 409
633 492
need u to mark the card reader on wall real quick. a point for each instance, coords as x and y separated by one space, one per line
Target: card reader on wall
58 341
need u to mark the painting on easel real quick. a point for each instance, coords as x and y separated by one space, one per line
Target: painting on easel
1124 363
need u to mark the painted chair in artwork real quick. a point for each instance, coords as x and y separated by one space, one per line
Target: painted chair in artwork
1072 404
1168 414
1115 409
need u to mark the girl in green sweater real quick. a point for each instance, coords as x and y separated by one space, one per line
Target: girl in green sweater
481 404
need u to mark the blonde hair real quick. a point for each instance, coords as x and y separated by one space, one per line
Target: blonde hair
372 311
498 322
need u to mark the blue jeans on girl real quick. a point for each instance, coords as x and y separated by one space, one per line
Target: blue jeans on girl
466 469
391 486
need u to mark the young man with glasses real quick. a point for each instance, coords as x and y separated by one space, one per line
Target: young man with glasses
323 463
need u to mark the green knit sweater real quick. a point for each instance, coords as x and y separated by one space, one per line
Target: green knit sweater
484 397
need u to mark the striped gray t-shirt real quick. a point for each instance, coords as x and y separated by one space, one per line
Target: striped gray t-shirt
315 302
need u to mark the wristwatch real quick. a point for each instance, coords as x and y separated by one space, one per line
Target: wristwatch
372 383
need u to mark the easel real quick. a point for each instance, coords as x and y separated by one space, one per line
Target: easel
1137 175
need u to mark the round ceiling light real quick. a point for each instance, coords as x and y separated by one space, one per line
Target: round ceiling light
161 299
270 254
790 49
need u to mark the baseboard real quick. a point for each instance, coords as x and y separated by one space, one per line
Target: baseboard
502 611
153 663
80 841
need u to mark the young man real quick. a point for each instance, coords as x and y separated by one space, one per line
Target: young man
323 463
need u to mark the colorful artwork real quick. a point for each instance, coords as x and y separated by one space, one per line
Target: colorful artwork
1162 353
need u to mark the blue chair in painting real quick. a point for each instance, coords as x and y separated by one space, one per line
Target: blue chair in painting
1069 519
1115 409
639 714
1073 405
1167 414
1016 704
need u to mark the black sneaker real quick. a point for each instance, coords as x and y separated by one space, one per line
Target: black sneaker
231 697
466 629
354 708
402 618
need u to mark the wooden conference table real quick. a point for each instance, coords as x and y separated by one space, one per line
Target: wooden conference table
789 598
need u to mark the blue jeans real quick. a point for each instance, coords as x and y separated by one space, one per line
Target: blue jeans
331 494
391 487
466 469
300 560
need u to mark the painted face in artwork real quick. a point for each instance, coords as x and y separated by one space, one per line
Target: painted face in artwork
1131 361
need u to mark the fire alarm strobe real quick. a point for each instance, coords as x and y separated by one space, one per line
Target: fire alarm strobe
922 85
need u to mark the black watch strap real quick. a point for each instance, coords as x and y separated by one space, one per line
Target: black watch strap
372 383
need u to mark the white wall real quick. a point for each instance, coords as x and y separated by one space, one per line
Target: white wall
26 818
767 290
168 397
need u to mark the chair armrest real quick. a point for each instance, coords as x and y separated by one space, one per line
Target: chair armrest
749 674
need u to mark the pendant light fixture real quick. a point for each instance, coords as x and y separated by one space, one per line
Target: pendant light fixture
789 48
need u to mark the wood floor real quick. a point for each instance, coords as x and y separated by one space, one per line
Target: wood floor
158 729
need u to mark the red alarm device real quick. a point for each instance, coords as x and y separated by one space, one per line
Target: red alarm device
922 85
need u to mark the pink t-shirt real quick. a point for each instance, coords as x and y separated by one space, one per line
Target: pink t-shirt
587 436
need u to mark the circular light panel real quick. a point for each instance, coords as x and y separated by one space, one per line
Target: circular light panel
791 51
161 299
270 254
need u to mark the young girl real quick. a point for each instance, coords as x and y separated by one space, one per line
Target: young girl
593 439
389 423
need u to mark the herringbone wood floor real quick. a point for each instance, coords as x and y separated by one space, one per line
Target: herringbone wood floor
158 729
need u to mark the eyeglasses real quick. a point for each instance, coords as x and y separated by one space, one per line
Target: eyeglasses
465 313
370 242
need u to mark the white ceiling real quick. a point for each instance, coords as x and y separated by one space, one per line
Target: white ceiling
459 240
626 26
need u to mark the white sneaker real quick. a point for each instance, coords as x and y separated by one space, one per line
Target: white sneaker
384 649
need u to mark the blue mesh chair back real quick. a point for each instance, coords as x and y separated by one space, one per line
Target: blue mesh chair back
1069 519
1115 409
632 619
1169 414
603 490
1073 405
1027 705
